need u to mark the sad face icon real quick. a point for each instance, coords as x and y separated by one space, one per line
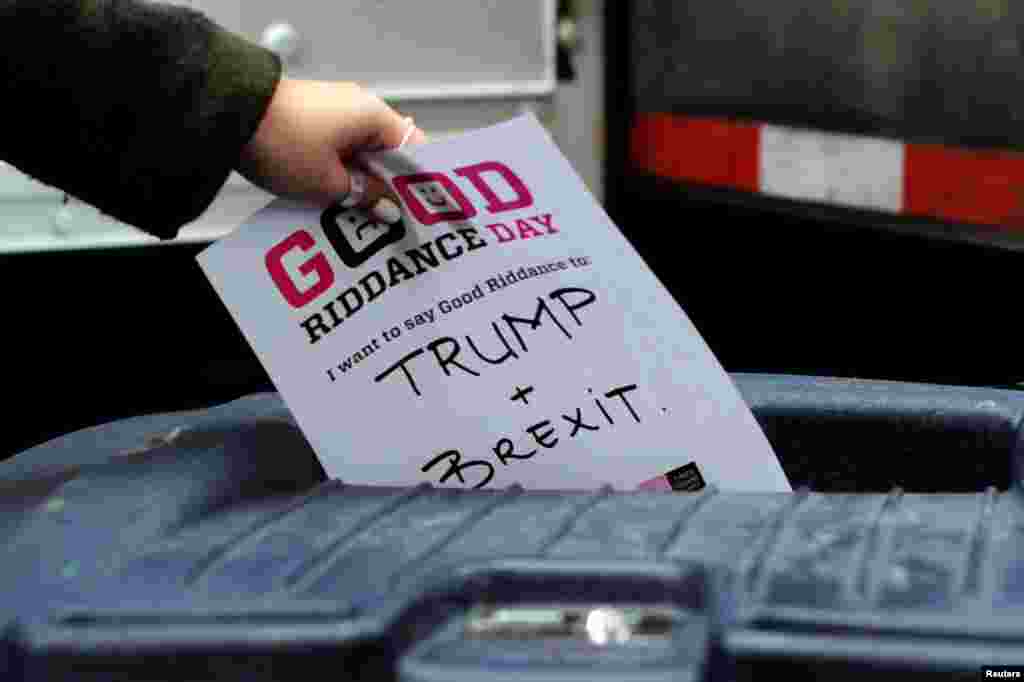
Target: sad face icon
355 222
355 235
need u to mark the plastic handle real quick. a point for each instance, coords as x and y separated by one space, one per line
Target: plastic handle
604 599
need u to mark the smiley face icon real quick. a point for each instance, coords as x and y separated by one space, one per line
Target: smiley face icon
435 196
355 235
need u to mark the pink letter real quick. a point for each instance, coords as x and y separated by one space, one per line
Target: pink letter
545 220
505 235
526 230
285 284
422 213
495 204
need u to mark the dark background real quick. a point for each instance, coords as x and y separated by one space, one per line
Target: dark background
93 336
778 286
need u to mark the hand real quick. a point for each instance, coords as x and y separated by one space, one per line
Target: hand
306 144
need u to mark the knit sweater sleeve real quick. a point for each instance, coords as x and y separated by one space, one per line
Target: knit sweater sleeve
138 108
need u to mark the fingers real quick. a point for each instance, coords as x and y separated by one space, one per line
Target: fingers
351 183
386 210
417 136
390 127
366 190
379 199
355 187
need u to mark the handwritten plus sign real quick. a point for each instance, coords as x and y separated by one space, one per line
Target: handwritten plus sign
521 394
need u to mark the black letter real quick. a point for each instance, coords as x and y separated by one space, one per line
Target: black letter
424 253
370 293
335 318
472 237
396 270
503 358
621 392
540 438
401 363
350 310
440 247
558 293
509 451
450 360
542 308
455 467
578 423
315 322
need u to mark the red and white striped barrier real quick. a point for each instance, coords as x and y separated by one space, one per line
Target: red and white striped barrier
951 184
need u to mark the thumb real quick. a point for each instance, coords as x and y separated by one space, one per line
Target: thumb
388 129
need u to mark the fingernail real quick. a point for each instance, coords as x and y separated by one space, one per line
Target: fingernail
357 188
386 211
410 128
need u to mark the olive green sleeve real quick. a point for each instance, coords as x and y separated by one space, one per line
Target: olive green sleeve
138 108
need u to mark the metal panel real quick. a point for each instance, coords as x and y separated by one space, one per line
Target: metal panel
404 50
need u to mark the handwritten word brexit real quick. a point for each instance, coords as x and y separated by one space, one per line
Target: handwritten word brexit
543 433
447 350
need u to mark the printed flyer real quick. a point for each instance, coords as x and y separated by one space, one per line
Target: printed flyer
502 331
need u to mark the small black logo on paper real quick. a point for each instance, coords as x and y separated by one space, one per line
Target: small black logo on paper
355 236
686 478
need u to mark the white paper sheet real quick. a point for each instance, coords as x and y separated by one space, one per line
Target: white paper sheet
503 332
